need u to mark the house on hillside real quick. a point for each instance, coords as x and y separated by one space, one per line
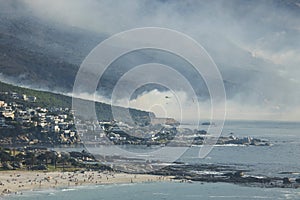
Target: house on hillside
2 104
7 112
31 99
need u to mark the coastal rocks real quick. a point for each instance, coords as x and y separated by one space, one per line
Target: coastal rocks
201 132
121 133
242 141
286 180
238 174
208 124
227 174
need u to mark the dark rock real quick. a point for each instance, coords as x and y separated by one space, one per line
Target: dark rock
238 174
286 180
208 123
202 132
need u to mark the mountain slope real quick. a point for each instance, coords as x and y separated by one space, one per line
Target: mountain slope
46 55
48 100
40 52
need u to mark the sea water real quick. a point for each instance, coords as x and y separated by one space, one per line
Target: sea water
282 158
162 191
275 160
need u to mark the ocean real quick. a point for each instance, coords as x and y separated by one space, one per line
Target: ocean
162 191
281 159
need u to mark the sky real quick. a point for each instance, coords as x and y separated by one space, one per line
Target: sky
255 44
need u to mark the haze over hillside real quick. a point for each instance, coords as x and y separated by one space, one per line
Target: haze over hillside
49 100
255 45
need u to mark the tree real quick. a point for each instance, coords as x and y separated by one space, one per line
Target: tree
65 157
30 158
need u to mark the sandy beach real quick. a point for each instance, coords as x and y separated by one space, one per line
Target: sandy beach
15 182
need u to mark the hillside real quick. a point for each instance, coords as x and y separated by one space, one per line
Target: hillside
48 100
40 52
254 53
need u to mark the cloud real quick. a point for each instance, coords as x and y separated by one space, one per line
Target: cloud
254 43
181 107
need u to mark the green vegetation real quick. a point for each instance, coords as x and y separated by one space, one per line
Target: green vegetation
50 100
46 160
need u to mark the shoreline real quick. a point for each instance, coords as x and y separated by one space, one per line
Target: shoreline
17 182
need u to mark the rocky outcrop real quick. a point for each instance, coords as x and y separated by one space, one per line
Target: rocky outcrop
227 174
